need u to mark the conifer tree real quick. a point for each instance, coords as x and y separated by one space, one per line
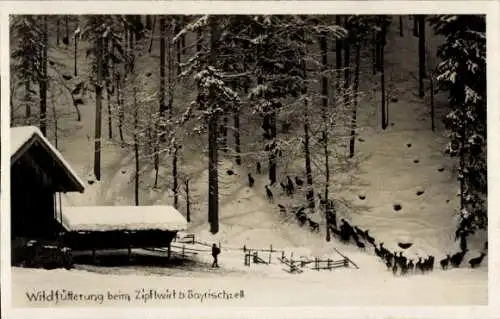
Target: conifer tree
214 98
462 73
26 57
97 28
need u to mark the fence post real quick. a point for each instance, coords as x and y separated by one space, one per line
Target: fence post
183 251
247 259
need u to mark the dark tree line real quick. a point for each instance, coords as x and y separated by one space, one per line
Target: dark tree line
462 73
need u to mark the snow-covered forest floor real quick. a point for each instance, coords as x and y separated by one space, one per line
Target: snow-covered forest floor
390 167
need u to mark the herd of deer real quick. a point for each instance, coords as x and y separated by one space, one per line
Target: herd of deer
398 263
395 262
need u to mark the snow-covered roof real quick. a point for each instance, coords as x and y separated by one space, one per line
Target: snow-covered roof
23 136
119 218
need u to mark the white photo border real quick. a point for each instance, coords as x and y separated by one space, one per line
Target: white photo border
490 8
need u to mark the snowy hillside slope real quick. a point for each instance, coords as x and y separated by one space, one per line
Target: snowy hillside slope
384 170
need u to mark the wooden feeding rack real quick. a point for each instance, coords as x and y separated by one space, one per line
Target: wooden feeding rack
188 239
253 255
292 264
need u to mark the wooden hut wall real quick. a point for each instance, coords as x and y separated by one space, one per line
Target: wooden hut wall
32 200
118 239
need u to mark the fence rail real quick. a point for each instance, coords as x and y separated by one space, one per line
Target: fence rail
252 255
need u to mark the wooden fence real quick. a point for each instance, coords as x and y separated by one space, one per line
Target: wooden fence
329 264
263 256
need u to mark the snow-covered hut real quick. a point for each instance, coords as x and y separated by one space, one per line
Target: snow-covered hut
118 227
38 173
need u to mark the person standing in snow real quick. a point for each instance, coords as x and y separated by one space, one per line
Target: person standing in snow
215 253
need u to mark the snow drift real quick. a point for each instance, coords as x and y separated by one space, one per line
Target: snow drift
107 218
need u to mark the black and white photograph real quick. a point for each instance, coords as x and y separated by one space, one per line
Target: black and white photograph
248 160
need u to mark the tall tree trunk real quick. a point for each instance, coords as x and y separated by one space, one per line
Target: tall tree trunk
433 124
385 119
110 117
136 148
76 50
27 98
98 115
375 51
378 51
213 196
175 177
456 90
188 200
307 151
43 79
347 68
131 51
66 22
401 34
137 28
237 142
108 86
127 41
160 129
307 154
11 102
338 55
421 55
269 126
273 156
170 106
152 35
199 40
225 123
355 105
324 114
54 117
149 24
121 115
415 26
183 43
213 169
183 37
178 46
58 31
